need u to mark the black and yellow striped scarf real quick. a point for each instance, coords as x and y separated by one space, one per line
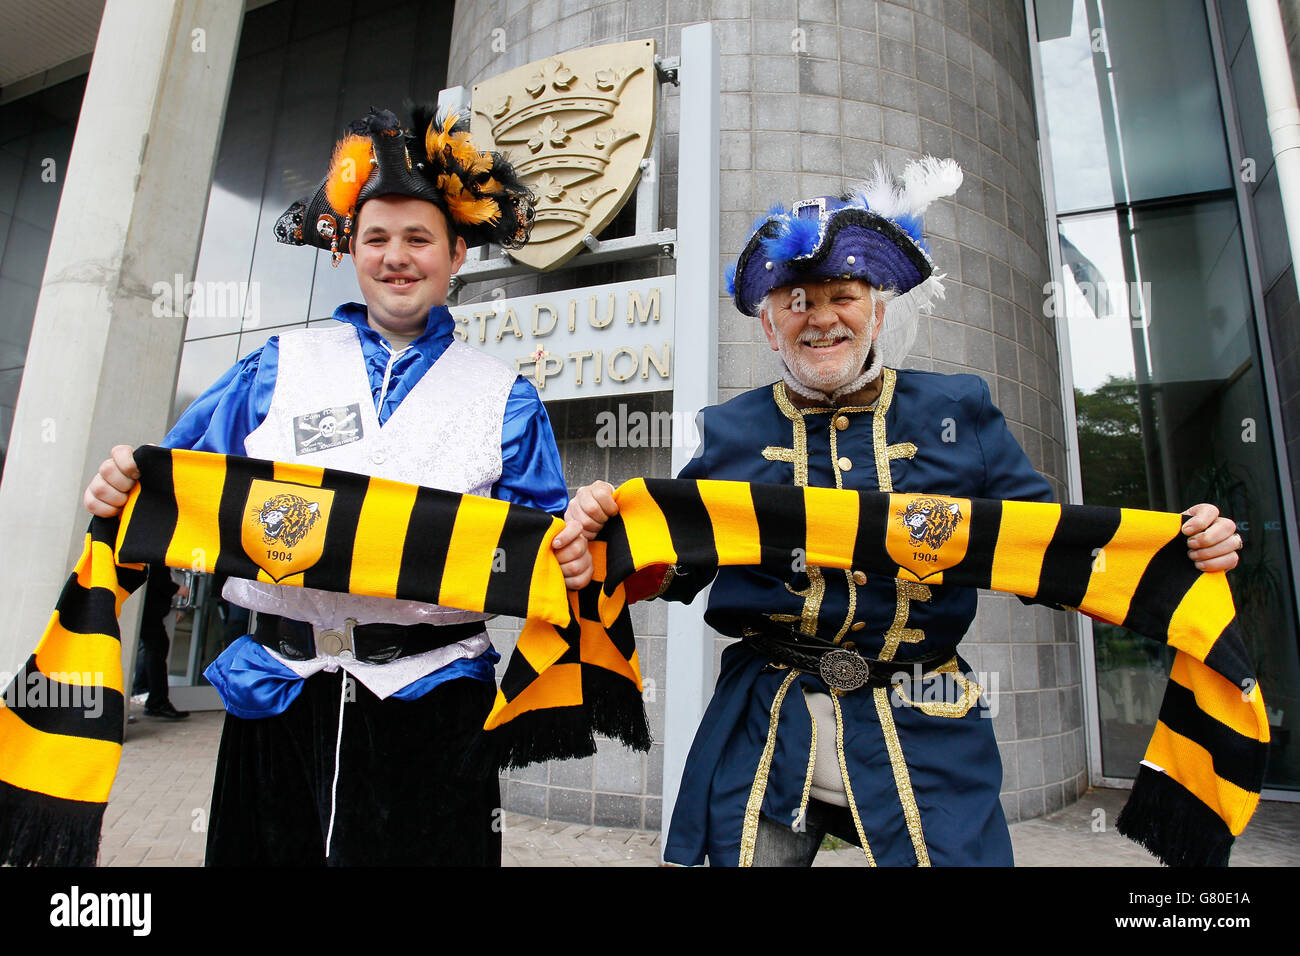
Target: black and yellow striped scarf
574 671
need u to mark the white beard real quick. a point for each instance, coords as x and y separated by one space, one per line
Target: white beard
861 366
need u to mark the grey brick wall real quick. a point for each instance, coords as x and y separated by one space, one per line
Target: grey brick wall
814 92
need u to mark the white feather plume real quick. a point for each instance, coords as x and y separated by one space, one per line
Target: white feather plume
923 181
928 179
880 193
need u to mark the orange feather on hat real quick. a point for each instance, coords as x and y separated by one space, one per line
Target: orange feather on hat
349 170
462 205
440 141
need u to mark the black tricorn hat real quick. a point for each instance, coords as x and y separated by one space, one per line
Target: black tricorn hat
435 160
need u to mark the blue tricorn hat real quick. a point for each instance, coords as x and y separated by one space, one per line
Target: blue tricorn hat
872 233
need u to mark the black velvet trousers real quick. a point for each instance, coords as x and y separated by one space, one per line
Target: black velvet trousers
406 796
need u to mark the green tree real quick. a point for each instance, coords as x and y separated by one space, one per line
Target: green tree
1111 458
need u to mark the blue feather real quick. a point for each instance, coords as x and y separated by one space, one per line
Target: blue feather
910 225
794 238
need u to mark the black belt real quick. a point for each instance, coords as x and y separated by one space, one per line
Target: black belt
842 668
371 643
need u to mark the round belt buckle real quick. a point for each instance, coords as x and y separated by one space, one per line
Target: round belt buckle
329 643
843 670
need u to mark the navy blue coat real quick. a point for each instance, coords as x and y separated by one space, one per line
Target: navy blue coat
925 774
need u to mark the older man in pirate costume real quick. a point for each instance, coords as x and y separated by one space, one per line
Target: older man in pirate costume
805 734
348 716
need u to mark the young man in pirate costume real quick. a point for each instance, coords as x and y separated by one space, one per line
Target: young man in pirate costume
348 716
804 734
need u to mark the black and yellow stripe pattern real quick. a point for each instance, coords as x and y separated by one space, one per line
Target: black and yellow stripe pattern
575 671
1121 566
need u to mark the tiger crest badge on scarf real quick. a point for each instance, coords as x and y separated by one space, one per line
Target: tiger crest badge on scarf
284 526
927 535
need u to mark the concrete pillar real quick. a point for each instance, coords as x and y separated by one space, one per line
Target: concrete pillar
101 367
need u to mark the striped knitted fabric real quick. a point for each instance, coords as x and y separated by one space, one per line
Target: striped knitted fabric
574 671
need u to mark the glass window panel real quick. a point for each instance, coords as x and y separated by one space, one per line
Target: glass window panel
1252 117
17 310
12 156
255 339
5 220
234 204
1171 411
38 197
10 380
1270 227
333 286
202 363
304 136
1132 105
1236 21
378 65
26 251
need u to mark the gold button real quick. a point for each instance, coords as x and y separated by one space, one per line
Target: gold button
858 626
844 464
859 578
842 422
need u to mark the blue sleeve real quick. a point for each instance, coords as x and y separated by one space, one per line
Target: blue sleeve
530 461
231 409
1008 475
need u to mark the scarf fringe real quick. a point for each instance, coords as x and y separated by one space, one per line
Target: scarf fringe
616 708
1172 824
612 708
40 830
555 733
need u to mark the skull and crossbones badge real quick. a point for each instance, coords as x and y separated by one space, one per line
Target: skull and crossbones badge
327 428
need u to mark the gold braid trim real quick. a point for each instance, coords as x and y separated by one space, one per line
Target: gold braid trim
899 633
799 453
848 572
798 456
902 779
879 439
749 832
812 763
844 772
970 692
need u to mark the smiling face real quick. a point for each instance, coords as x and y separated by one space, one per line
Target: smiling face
404 263
823 330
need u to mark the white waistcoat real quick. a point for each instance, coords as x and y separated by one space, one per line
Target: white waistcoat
446 433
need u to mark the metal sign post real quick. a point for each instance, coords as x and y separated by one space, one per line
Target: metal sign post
689 675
